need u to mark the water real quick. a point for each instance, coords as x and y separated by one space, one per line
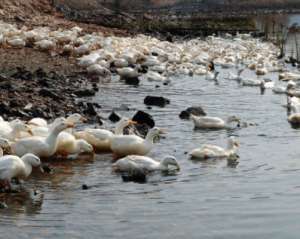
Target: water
257 199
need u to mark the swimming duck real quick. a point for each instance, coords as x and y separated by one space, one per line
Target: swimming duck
207 122
133 163
236 77
12 166
251 82
127 72
40 146
208 151
100 139
294 117
122 145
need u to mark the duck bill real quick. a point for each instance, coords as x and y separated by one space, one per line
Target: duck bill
162 131
41 169
70 125
30 132
83 120
132 122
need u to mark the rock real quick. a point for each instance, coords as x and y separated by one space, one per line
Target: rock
132 81
90 110
47 168
85 187
4 108
6 86
3 205
85 93
48 93
21 73
40 73
142 117
195 110
156 100
113 117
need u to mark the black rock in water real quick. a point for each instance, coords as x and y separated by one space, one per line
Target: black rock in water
132 81
142 117
156 100
113 117
85 92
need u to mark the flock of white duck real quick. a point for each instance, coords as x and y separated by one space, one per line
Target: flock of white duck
150 59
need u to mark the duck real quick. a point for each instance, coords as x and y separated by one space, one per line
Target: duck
73 146
236 77
251 82
208 151
42 147
14 130
212 76
40 127
284 89
138 163
100 139
128 72
208 122
155 76
12 166
287 76
4 145
294 116
123 145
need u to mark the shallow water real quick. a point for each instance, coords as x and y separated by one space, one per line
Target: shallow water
257 199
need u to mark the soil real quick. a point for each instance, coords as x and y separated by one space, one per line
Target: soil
39 84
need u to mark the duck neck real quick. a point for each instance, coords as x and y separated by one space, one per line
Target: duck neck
150 137
231 147
51 139
119 129
28 168
15 133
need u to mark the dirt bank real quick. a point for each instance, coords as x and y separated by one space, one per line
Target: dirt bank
40 84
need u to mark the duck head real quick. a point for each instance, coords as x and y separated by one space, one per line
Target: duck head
233 143
76 118
85 147
170 160
33 161
122 124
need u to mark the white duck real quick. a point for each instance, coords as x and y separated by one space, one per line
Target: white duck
4 144
133 163
13 131
208 151
73 146
207 122
236 77
294 117
128 72
122 145
39 126
100 139
40 146
12 166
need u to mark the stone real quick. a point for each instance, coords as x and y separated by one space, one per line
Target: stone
113 117
48 93
142 117
85 93
156 101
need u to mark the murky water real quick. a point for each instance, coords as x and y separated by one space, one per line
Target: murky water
257 199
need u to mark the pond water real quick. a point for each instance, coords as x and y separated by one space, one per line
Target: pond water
257 199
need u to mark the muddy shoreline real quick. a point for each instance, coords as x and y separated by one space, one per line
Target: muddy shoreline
36 84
